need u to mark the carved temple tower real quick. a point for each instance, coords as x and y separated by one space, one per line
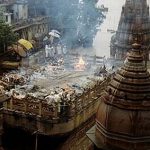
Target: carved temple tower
123 116
134 19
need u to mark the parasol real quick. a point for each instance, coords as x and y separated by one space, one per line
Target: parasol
26 44
55 31
54 34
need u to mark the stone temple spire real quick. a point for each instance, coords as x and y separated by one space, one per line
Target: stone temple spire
123 116
134 19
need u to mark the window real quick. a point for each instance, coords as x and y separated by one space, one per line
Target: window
6 18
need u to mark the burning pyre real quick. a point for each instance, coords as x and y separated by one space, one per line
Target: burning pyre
53 84
81 65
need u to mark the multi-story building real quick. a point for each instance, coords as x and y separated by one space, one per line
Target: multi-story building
6 10
16 13
20 10
14 10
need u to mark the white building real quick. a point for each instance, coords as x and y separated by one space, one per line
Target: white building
20 10
7 17
13 10
5 13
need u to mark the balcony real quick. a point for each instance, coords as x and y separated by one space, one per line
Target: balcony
21 24
7 2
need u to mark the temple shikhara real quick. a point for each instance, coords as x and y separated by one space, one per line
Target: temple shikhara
122 120
123 117
134 19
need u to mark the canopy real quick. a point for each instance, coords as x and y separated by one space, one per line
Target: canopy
25 43
55 31
54 34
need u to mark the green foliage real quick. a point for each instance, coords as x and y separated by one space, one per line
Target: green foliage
7 36
76 19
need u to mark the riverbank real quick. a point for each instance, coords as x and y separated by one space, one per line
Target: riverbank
102 39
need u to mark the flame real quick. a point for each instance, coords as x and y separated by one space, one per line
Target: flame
81 61
80 65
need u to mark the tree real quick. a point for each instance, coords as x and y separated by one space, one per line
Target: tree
76 19
7 36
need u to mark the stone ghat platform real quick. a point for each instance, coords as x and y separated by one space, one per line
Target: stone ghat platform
46 119
49 99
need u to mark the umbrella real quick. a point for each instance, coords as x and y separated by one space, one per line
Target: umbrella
19 50
54 34
26 44
55 31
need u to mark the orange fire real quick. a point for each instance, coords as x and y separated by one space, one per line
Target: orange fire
80 66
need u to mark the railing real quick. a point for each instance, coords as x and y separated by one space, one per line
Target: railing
41 109
7 1
28 22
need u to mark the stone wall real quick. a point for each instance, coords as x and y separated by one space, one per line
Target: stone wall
78 139
1 127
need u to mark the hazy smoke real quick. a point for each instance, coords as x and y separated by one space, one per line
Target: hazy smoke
75 19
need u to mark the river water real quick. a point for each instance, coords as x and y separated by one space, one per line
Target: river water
102 39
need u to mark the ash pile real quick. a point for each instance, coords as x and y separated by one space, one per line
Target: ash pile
53 84
51 81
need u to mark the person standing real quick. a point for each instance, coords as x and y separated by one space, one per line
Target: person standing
46 51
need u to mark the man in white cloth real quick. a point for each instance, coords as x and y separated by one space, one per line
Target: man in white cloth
51 51
46 51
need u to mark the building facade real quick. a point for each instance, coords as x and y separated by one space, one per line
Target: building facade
20 10
17 14
6 12
13 11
